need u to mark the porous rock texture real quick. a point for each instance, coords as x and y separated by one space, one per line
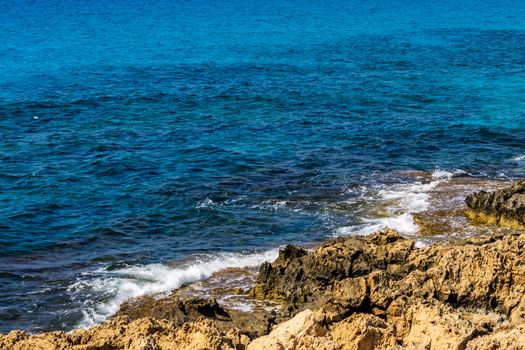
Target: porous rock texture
438 297
180 311
142 334
505 207
353 293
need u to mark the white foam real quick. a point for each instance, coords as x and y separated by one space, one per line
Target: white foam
205 203
120 285
420 244
407 199
403 223
271 205
519 158
442 174
403 200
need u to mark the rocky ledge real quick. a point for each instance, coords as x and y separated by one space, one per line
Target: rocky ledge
374 292
505 207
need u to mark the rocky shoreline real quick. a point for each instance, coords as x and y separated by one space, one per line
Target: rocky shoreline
371 292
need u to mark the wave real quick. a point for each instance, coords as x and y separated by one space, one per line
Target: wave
107 289
401 201
115 287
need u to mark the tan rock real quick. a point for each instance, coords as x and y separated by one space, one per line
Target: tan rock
142 334
504 207
376 292
350 292
363 332
301 332
509 338
438 327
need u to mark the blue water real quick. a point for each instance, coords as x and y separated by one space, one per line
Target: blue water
141 132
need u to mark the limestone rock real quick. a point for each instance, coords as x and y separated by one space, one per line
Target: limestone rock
301 332
172 309
363 332
424 294
375 292
180 311
438 326
505 207
506 337
306 278
142 334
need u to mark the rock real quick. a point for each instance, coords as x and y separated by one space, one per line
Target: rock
422 293
306 278
180 311
203 335
505 337
438 326
350 293
305 332
505 207
374 292
363 332
172 309
142 334
368 272
288 254
301 332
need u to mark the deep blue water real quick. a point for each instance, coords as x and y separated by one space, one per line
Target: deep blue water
141 132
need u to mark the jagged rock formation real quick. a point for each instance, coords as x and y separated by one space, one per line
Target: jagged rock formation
355 273
505 207
304 279
121 333
440 297
375 292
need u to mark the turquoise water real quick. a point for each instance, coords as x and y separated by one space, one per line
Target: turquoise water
138 134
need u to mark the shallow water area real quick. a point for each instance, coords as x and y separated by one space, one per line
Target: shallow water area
439 196
445 217
411 198
229 287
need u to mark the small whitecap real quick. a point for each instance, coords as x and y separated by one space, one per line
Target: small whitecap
135 281
404 201
519 158
205 203
441 174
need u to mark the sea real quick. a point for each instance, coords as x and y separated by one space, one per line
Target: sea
145 145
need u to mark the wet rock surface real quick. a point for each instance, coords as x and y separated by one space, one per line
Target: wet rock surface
253 324
372 292
505 207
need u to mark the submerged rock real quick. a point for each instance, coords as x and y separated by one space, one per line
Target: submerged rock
505 207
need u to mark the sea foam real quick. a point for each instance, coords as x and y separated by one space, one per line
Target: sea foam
402 201
119 285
